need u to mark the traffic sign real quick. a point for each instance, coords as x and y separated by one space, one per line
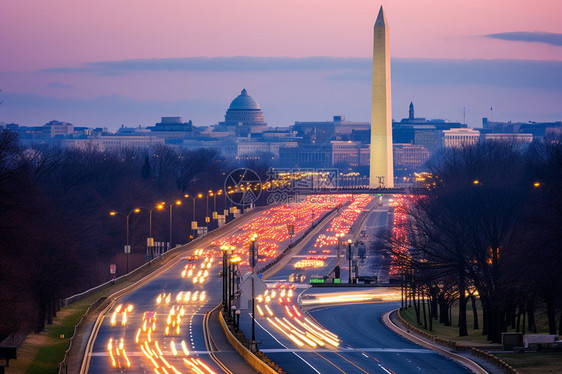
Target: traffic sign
246 289
112 269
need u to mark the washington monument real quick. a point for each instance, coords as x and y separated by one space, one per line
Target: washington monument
381 164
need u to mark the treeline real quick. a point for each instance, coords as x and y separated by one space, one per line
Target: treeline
489 227
56 235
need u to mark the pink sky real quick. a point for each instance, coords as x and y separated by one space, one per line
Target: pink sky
38 34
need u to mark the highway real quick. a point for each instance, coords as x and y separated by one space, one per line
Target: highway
320 255
365 345
165 329
161 327
337 338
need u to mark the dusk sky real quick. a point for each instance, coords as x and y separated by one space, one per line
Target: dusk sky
108 63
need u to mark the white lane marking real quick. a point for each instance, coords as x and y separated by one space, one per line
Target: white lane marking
382 367
353 350
286 349
140 354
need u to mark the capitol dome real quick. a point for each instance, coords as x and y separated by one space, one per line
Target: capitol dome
244 102
243 117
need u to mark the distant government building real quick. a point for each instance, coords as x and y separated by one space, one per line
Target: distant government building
244 134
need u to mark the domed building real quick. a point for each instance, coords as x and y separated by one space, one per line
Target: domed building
243 117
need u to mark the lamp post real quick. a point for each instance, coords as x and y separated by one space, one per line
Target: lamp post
150 242
215 214
194 222
177 202
338 238
225 251
234 261
349 258
225 208
207 219
253 260
237 319
127 246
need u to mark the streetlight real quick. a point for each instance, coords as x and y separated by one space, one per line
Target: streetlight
231 192
234 261
194 222
338 238
226 211
150 242
226 250
177 202
253 261
349 258
215 214
237 319
127 246
207 218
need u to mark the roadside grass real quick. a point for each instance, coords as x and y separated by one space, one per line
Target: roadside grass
524 363
474 337
43 352
533 362
57 336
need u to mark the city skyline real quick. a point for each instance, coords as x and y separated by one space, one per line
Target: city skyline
110 65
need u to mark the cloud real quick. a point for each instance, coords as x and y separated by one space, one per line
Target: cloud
230 64
59 85
106 110
532 37
504 73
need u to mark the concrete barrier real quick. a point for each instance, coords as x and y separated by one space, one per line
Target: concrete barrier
494 360
253 360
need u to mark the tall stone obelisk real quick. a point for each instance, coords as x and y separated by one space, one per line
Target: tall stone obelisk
381 164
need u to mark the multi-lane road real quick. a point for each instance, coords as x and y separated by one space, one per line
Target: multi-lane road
336 338
161 327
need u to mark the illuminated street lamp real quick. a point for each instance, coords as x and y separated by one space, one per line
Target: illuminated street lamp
226 250
207 218
158 206
194 222
338 238
234 261
177 202
253 262
349 258
127 246
215 214
237 319
150 241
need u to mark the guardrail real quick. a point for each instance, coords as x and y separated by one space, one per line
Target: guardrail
63 367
